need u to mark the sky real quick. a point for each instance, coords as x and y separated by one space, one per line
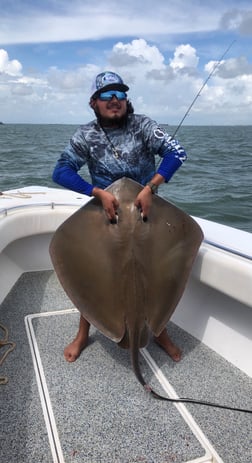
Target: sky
165 51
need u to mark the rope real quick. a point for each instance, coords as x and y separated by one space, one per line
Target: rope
20 194
5 342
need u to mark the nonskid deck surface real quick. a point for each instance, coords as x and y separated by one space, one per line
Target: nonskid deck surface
95 410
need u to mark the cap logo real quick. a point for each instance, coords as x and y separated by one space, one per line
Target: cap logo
106 79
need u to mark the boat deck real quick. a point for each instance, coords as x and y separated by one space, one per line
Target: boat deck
94 410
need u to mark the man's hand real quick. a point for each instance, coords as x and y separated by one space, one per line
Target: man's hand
109 203
143 202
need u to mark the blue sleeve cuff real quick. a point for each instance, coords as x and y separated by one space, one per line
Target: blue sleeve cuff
168 166
68 178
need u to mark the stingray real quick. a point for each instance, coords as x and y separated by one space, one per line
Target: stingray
126 278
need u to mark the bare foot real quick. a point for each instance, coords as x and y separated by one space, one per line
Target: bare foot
74 349
164 341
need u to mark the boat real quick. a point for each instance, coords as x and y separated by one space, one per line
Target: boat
94 410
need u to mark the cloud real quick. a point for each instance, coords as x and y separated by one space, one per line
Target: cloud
66 80
231 68
245 26
21 90
184 57
184 62
77 80
164 75
237 20
75 20
162 84
139 53
7 66
151 62
235 67
90 24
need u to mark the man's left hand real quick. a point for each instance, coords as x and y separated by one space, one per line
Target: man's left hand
143 202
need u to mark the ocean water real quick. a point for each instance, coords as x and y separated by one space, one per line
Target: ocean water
215 182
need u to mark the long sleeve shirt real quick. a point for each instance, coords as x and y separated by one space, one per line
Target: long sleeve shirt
115 153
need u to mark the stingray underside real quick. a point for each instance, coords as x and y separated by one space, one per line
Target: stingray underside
126 278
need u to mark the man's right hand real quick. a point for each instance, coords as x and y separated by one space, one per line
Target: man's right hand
109 203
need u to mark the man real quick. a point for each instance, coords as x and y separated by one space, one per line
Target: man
118 143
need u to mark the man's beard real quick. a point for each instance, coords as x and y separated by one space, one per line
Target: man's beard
113 121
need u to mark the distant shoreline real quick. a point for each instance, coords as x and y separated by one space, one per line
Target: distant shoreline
160 123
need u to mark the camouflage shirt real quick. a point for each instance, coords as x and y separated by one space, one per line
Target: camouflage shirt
115 153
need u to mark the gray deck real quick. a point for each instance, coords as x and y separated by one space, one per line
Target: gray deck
101 412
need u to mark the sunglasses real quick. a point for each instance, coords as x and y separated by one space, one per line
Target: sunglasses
107 96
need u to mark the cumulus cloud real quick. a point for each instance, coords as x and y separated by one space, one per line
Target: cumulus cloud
162 84
150 46
183 62
74 80
66 80
136 52
184 57
231 68
164 75
7 66
21 90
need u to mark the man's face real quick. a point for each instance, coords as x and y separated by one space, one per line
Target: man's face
111 111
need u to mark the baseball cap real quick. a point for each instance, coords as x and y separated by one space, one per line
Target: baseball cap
108 81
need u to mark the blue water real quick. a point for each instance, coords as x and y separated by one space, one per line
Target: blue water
214 183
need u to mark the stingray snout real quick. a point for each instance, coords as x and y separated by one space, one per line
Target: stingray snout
144 218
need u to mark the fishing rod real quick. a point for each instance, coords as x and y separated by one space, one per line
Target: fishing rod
203 86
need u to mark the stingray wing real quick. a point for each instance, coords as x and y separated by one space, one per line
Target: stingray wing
174 240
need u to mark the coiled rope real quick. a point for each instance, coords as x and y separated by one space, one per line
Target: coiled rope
5 342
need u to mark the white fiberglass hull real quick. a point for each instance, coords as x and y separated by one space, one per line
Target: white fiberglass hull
216 307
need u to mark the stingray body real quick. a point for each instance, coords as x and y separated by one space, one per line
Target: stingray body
126 278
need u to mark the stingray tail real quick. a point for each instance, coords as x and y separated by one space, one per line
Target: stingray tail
134 348
134 339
